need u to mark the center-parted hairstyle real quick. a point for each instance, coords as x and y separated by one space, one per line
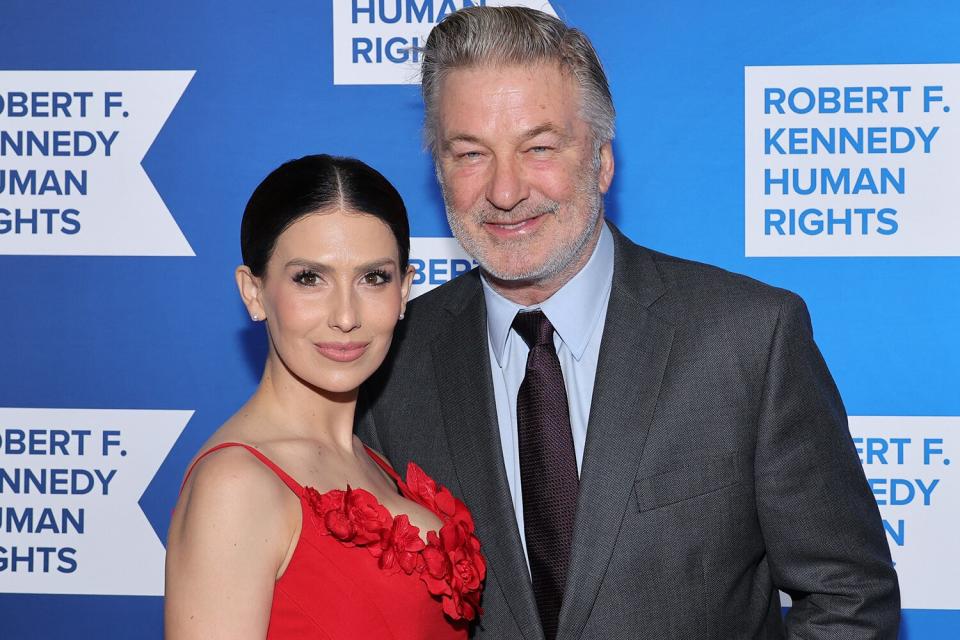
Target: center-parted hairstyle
492 36
315 183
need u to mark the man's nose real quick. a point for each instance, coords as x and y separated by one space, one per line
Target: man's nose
508 186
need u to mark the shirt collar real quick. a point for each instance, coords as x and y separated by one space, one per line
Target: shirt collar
573 310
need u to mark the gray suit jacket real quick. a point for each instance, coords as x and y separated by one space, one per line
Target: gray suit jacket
718 466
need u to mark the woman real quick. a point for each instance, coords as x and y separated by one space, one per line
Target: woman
287 526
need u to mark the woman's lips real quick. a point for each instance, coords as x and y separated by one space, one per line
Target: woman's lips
342 351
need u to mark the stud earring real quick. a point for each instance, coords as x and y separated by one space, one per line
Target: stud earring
401 316
255 317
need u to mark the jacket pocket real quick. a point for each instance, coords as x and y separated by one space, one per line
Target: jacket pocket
696 478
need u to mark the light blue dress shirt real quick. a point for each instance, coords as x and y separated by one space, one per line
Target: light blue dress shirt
577 312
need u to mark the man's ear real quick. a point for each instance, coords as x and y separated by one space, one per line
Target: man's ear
250 287
605 176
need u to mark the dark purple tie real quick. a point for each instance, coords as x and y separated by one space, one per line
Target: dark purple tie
548 467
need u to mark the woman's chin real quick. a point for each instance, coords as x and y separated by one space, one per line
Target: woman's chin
337 385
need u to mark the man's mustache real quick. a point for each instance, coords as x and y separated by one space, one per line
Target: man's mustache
490 215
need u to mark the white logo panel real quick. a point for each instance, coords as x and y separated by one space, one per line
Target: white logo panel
437 260
852 160
378 41
71 143
911 464
70 483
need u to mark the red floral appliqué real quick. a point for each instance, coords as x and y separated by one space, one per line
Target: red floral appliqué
449 563
354 517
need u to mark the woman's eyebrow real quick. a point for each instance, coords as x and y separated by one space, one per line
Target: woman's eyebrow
371 265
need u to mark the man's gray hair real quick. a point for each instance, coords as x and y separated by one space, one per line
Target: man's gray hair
490 36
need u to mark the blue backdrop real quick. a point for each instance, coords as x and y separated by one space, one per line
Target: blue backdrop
169 333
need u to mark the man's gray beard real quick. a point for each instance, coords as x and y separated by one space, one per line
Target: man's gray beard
558 260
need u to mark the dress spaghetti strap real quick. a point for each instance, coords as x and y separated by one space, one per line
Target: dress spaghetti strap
383 465
283 475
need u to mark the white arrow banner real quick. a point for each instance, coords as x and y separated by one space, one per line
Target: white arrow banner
378 41
70 483
71 143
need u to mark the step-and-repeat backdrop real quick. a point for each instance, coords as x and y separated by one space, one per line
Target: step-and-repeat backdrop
814 145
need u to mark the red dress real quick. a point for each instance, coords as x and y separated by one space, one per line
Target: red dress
359 572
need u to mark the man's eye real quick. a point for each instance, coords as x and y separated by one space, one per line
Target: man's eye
307 278
540 149
469 155
376 278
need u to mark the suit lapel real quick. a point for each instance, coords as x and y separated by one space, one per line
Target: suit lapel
633 356
462 363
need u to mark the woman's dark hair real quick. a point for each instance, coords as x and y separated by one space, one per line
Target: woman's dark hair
310 184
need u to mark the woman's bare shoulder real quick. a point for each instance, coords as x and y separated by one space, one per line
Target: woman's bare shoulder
231 469
228 538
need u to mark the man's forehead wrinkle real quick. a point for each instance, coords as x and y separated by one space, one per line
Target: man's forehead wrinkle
488 104
510 74
505 98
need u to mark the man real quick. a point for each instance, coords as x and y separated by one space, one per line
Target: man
651 447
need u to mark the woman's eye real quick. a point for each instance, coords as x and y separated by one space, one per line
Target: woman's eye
307 278
376 278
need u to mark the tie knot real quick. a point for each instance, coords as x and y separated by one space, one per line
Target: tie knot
534 328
